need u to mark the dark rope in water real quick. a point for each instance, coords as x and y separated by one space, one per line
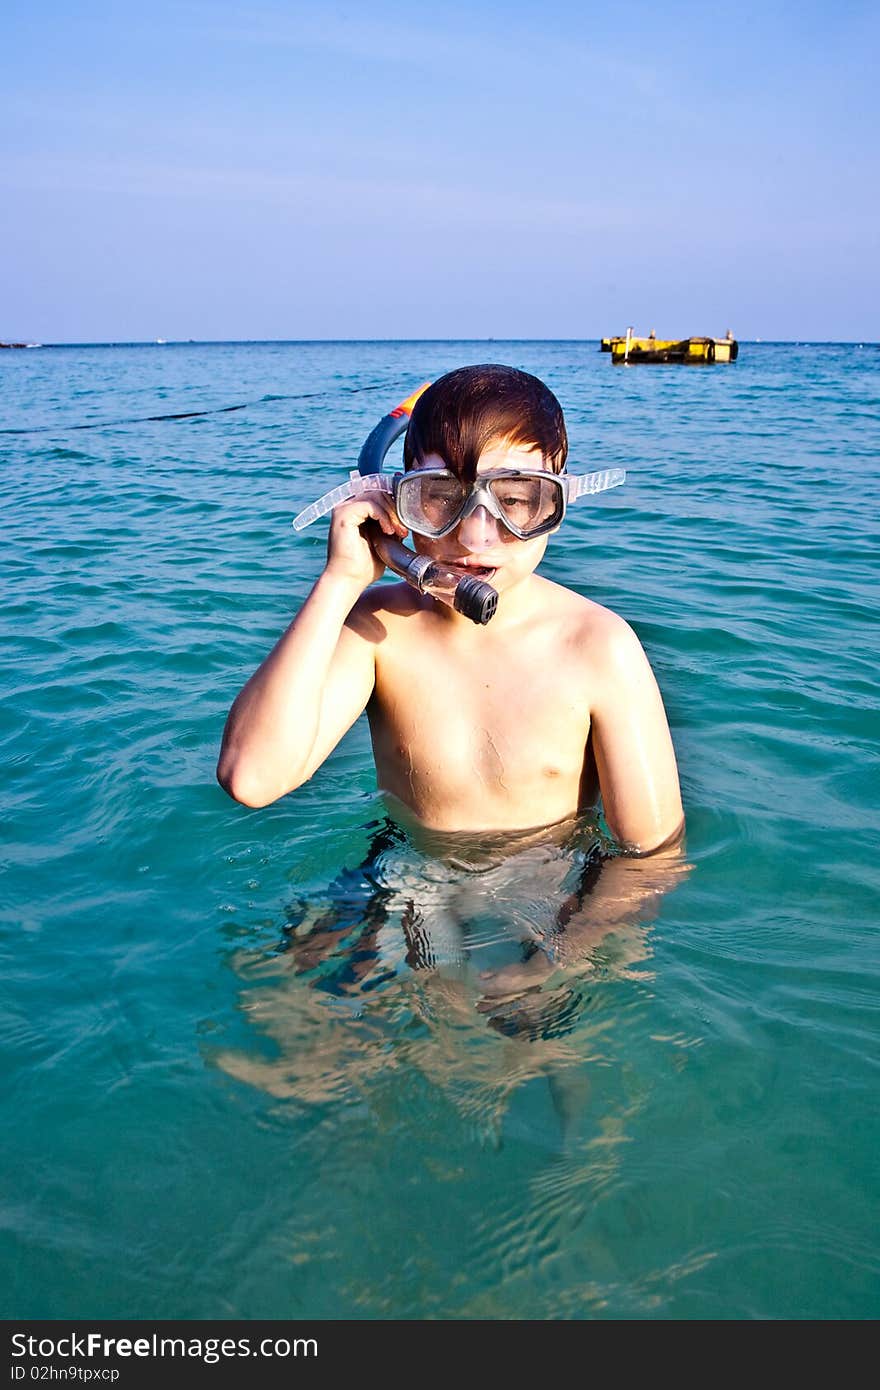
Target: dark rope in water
191 414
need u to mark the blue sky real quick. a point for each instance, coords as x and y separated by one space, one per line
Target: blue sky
378 170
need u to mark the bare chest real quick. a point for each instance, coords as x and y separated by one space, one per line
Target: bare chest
471 738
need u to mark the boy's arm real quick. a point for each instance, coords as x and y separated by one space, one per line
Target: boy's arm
638 777
626 895
638 780
316 680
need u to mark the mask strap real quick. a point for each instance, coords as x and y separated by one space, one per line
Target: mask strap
357 485
586 484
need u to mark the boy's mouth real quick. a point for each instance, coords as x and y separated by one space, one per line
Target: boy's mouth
468 567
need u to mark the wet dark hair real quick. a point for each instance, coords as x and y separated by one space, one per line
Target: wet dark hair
465 410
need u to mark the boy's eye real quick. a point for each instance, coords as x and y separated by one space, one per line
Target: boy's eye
526 501
437 499
519 495
441 496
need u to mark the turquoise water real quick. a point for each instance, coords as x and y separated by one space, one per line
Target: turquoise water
222 1097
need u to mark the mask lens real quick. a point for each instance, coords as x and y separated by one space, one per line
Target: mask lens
428 505
528 504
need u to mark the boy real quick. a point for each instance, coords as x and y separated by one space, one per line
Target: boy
518 724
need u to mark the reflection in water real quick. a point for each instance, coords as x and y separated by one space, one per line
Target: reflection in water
472 960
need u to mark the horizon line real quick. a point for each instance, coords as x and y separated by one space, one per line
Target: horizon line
20 344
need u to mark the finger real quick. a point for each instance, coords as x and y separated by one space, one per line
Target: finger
400 527
360 509
394 525
387 517
352 515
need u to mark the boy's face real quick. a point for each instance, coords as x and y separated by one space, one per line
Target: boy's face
481 544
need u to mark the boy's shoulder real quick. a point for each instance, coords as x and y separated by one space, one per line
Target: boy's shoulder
383 605
585 620
595 646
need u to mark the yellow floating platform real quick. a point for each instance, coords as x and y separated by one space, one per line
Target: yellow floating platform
629 350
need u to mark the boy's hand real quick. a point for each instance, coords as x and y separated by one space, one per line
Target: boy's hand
349 553
508 981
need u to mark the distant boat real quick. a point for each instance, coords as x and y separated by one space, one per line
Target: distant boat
630 350
160 340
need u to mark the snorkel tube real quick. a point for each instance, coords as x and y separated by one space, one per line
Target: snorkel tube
472 597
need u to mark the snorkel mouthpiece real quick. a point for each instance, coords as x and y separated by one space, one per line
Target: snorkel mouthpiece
472 597
475 599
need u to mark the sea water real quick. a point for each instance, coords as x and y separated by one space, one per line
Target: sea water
235 1084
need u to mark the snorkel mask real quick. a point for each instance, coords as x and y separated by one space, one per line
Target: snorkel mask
432 501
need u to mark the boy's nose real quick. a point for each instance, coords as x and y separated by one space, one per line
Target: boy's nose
478 531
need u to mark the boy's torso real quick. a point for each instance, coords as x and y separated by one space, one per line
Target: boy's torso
479 729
